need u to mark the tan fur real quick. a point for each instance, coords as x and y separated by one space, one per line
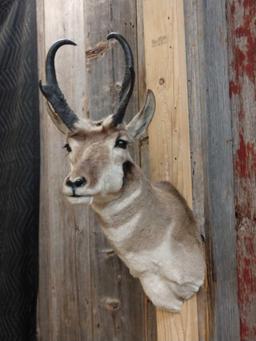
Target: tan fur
160 205
149 225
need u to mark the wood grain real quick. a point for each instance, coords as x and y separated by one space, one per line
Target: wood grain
196 71
143 157
211 142
64 297
220 187
169 131
242 70
110 277
86 293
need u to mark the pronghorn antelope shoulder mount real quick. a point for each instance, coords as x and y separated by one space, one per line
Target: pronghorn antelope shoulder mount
149 225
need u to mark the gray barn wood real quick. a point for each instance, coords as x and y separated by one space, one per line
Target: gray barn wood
212 159
86 293
242 71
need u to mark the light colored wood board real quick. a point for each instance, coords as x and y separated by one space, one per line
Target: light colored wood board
178 327
169 131
64 294
166 75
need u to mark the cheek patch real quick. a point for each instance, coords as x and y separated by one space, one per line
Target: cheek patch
112 180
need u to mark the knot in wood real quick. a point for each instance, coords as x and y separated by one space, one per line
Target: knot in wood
161 81
111 304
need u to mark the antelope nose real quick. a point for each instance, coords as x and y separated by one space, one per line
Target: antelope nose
78 182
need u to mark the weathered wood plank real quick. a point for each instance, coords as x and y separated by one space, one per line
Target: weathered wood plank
119 311
169 132
242 90
86 293
194 27
221 228
64 293
211 143
143 158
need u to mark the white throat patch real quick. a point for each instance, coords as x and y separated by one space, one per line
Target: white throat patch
116 207
123 232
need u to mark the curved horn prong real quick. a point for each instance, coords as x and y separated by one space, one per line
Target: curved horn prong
129 78
51 89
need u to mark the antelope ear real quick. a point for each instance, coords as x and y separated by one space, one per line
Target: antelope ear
140 122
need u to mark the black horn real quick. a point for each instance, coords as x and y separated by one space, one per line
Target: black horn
129 78
51 89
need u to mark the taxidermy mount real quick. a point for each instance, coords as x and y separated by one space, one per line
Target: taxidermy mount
150 225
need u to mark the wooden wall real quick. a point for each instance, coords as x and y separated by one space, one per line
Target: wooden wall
169 145
212 159
242 91
86 293
200 61
221 59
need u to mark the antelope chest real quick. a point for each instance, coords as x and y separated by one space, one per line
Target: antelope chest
120 234
157 260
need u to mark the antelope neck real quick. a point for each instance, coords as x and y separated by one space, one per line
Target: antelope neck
120 209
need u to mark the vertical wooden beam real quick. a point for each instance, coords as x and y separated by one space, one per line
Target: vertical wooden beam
110 278
220 230
86 293
169 132
242 72
64 293
197 99
211 142
143 159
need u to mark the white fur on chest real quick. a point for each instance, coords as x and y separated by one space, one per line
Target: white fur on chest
119 206
165 273
151 260
118 235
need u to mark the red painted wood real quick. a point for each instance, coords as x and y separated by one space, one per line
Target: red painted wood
242 42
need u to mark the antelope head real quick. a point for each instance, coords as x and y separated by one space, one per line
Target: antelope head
150 225
97 150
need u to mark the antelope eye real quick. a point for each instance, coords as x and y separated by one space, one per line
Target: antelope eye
68 148
121 144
